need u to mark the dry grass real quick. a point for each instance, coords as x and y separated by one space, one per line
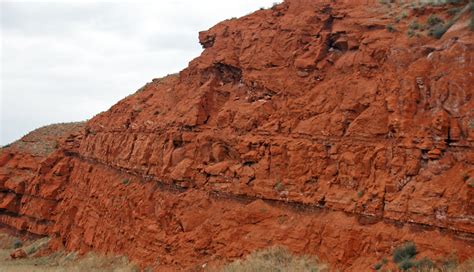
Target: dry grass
56 262
467 266
275 259
59 262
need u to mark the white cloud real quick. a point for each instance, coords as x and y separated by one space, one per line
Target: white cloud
68 60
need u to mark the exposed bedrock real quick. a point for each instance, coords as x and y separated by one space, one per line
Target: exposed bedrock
307 125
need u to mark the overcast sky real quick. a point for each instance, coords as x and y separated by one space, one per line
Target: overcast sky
64 61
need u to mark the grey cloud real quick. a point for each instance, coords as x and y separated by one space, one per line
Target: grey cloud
66 61
172 41
54 18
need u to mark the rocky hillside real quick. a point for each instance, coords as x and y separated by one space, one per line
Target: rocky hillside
33 172
335 129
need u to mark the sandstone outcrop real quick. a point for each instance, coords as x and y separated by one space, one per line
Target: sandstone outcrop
308 125
33 173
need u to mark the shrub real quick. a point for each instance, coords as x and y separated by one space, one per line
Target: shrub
380 264
377 266
406 264
125 181
411 33
433 20
390 28
414 25
437 31
404 252
402 15
17 243
439 28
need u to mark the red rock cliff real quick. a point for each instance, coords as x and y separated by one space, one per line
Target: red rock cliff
308 125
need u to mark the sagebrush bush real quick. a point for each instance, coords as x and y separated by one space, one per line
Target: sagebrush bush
437 31
434 20
406 264
390 28
404 252
414 25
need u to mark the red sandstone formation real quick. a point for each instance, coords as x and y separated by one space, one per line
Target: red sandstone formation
33 172
308 125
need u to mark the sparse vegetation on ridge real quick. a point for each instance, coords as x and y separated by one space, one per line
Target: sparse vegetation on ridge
404 257
435 26
440 28
43 141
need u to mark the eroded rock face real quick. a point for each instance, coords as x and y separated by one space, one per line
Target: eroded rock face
33 173
307 125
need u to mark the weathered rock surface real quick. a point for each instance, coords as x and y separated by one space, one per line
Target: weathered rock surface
307 125
33 173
